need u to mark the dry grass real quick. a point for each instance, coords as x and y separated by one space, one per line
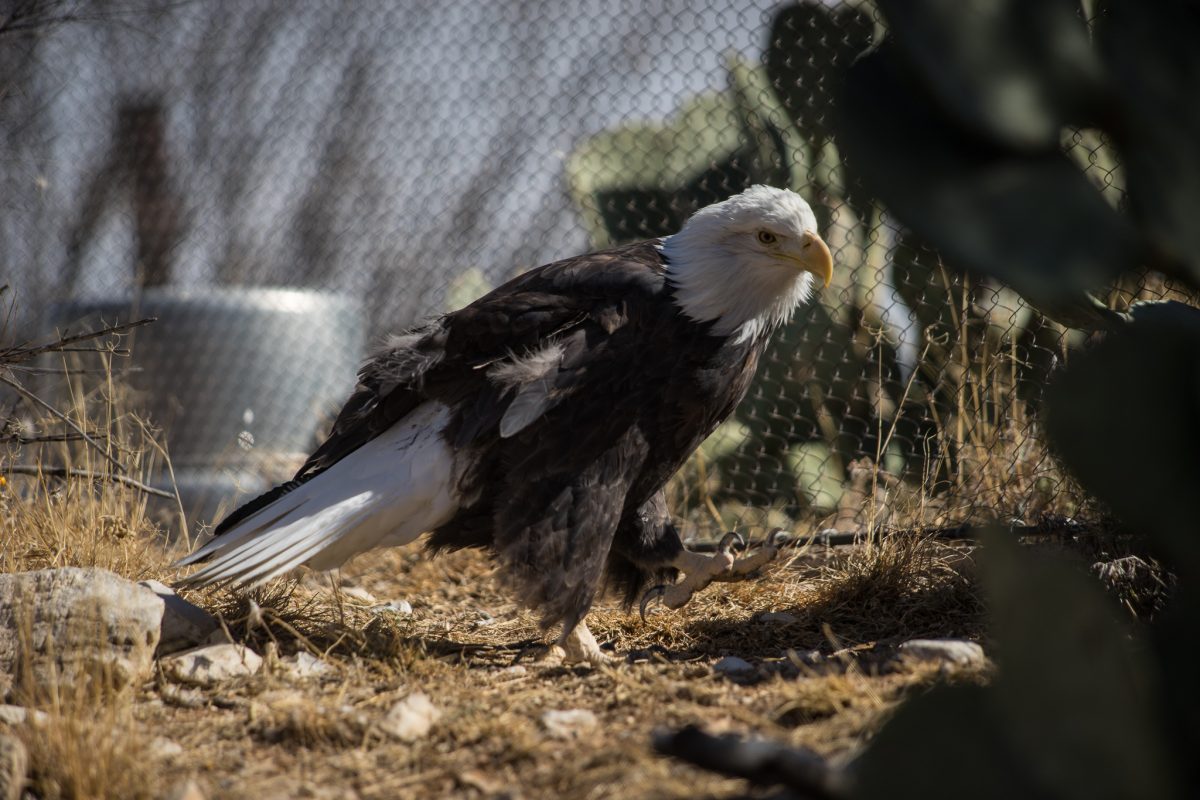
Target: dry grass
276 735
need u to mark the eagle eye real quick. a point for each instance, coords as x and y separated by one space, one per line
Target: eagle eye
766 237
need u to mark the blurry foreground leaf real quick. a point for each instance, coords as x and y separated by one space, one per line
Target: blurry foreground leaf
1013 71
810 46
1034 222
1153 60
1070 714
1125 416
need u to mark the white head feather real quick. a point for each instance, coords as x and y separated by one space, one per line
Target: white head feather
744 263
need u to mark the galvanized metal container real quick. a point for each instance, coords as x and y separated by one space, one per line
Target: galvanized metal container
243 381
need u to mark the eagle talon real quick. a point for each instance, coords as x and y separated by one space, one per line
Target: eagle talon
731 542
778 538
652 594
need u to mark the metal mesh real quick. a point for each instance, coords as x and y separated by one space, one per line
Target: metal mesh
408 156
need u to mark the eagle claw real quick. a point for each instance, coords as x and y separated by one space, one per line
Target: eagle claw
731 542
652 594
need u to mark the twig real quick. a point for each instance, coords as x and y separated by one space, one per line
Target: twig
63 417
74 472
16 355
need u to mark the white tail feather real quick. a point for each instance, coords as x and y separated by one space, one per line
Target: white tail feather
388 492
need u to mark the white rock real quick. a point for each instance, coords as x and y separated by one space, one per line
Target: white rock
184 624
73 625
732 665
14 767
211 664
402 607
954 651
188 790
515 671
778 617
360 594
410 719
569 723
165 749
17 715
304 665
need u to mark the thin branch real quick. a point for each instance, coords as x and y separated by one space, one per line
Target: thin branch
74 472
17 355
33 398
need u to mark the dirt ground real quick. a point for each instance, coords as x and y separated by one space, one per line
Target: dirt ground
824 678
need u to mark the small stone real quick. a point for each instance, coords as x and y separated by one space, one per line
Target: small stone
515 671
778 617
732 665
954 651
401 607
181 697
17 715
209 665
304 665
410 719
184 624
165 749
360 594
569 723
188 790
14 767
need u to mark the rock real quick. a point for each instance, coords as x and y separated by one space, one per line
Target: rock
74 626
188 790
181 697
166 749
778 617
570 723
359 594
184 624
211 664
410 719
303 665
401 607
14 767
734 666
17 715
953 651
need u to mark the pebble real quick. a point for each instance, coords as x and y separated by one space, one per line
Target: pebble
212 664
17 715
515 671
360 594
187 790
955 651
303 665
181 697
732 665
402 607
165 749
569 723
410 719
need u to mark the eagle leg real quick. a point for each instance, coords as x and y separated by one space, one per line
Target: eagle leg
700 570
577 646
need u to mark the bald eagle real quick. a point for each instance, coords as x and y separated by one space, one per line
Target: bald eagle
541 421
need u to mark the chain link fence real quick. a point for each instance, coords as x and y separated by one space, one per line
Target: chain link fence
403 158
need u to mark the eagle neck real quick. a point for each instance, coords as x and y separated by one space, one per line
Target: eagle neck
712 284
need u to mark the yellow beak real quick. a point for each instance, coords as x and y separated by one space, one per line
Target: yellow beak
814 257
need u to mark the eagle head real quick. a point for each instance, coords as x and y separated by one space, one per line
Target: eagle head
746 263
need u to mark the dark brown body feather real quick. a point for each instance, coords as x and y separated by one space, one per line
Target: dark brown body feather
571 496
